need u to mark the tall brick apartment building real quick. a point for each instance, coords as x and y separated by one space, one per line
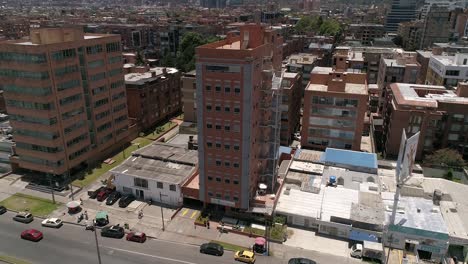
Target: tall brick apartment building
238 132
65 94
439 114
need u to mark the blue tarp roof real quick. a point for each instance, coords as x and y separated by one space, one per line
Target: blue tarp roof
349 157
362 236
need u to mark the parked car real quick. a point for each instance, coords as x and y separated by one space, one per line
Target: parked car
301 261
32 235
94 192
245 256
113 197
113 231
102 218
139 237
52 222
23 217
126 200
2 209
212 249
103 194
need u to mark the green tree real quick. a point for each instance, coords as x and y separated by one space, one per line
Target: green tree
167 60
445 157
185 60
139 60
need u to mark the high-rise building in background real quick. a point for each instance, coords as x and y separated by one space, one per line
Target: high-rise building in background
238 98
65 94
401 11
213 3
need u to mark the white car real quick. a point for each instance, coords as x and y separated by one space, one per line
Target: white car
52 222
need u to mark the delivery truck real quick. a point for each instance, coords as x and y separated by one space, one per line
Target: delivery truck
368 250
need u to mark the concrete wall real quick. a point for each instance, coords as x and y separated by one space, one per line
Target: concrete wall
173 198
440 173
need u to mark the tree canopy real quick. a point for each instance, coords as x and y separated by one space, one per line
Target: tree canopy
318 25
139 60
185 60
446 157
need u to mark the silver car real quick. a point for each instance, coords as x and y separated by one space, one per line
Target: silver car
23 217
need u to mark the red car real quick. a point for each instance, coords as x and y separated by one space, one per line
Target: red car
32 234
136 237
102 195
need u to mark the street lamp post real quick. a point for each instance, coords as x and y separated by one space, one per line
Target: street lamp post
97 243
162 213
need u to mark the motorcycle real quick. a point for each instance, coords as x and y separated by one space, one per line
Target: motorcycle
140 214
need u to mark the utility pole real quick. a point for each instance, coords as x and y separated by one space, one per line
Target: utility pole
162 212
97 243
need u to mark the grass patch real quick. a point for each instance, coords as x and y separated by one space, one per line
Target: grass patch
35 205
228 246
158 131
278 232
254 231
119 158
12 260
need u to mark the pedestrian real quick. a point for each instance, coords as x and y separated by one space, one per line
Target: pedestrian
86 215
81 201
208 224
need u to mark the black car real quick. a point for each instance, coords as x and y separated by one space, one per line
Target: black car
2 209
93 193
113 197
301 261
126 200
212 249
113 231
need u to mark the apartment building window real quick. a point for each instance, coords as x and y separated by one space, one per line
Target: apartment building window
453 137
218 108
23 57
101 102
94 49
235 181
236 109
227 89
218 179
95 64
227 109
237 90
74 126
218 127
218 144
452 73
172 187
102 115
218 88
227 164
106 138
72 113
235 165
120 119
78 153
117 84
159 185
115 59
209 125
39 91
118 96
33 120
115 72
38 147
120 107
227 146
30 105
113 47
210 178
142 183
209 144
458 117
70 99
64 54
227 127
66 70
218 195
77 140
68 85
208 87
218 162
236 146
98 76
455 127
104 127
235 198
24 74
36 134
208 108
227 180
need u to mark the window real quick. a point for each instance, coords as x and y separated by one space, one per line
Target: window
29 105
235 198
210 178
237 90
227 109
172 187
96 63
236 182
104 126
27 90
72 113
118 96
70 99
235 165
227 146
24 74
99 90
33 120
210 194
227 127
36 134
236 147
64 54
101 102
117 84
218 179
23 57
102 115
115 59
219 68
209 144
94 49
218 127
159 185
142 183
75 126
218 88
120 118
227 164
218 162
227 89
218 144
236 128
218 195
78 153
68 85
209 125
236 109
226 180
38 147
208 87
66 70
227 197
106 138
98 76
452 73
218 108
113 47
115 72
78 139
208 107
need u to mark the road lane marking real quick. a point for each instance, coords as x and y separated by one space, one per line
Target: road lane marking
151 256
185 212
193 214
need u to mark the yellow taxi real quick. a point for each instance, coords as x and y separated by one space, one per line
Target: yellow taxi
245 256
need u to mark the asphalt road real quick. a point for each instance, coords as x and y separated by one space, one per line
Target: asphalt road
72 244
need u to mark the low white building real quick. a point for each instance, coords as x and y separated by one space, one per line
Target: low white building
156 172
